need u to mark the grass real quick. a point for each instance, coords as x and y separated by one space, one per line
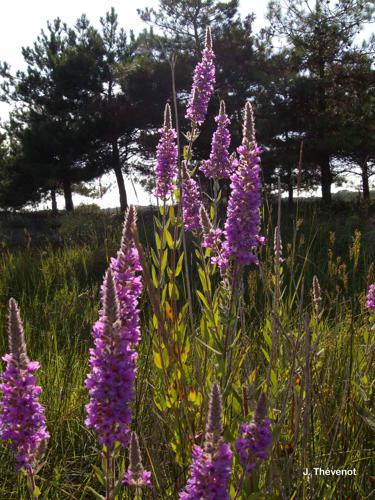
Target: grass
321 380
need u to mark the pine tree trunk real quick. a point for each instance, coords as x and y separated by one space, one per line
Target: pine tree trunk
365 182
54 201
326 179
119 177
67 187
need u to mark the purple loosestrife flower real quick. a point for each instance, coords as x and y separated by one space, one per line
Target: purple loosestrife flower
219 163
113 359
166 157
243 218
22 419
370 303
136 475
126 269
203 83
211 466
191 201
255 438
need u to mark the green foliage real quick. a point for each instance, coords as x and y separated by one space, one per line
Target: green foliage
57 289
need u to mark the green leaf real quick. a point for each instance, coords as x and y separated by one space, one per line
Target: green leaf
162 359
154 277
172 214
173 291
154 257
36 492
95 493
164 261
187 153
203 299
179 264
169 239
274 380
157 360
155 322
209 347
99 474
157 241
212 212
266 355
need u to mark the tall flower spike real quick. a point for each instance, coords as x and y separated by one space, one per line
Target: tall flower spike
214 427
243 217
136 475
317 296
220 162
128 228
22 419
16 336
203 83
248 131
255 438
191 201
113 359
126 271
278 248
370 302
211 466
166 157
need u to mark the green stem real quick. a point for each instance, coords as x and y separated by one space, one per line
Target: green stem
32 485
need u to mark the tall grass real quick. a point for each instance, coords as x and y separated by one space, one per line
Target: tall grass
317 368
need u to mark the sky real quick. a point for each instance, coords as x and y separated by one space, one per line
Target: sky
22 20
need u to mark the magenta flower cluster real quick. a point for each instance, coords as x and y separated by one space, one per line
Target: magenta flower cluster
22 420
370 302
253 443
209 474
219 164
128 282
113 359
255 439
203 84
191 202
166 157
241 230
211 467
136 475
144 479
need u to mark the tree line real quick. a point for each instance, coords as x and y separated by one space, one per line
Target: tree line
90 100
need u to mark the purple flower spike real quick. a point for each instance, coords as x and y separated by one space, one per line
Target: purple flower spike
370 303
211 466
22 419
113 359
220 162
255 438
243 218
166 157
203 84
136 475
191 201
126 272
